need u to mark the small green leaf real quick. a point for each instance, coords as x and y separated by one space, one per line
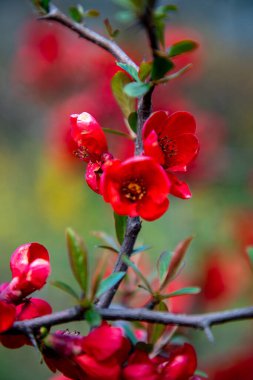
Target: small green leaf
116 132
118 82
137 272
112 33
161 66
164 9
107 239
91 13
93 317
128 331
133 121
125 16
175 75
249 251
65 288
182 47
201 373
156 330
145 70
129 69
137 89
108 247
43 5
109 282
77 13
176 261
142 248
120 226
182 292
78 258
163 264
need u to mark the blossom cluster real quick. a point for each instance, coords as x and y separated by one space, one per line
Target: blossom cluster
140 185
105 354
30 268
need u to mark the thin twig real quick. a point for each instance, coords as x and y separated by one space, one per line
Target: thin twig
198 321
56 15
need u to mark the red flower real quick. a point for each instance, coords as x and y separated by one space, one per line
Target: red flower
137 186
171 141
89 136
32 308
7 315
98 356
180 365
30 268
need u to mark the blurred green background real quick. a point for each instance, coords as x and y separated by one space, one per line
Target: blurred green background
40 198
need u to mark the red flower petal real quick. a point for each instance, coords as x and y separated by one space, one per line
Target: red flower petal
178 188
7 315
92 176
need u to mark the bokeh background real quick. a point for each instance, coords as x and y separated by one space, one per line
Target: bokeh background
46 73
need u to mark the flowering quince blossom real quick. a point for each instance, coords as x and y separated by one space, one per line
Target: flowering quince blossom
180 364
137 186
30 308
92 148
30 268
171 141
97 356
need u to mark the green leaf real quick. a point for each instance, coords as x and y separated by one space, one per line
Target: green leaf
109 282
112 33
116 132
133 121
125 16
118 82
249 251
160 29
65 288
201 373
91 13
176 260
120 226
137 89
182 292
161 66
142 248
108 247
107 239
145 70
182 47
138 273
163 264
93 317
164 9
43 5
155 330
77 13
128 332
175 75
78 258
129 69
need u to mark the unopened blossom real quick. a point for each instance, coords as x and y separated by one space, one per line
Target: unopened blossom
89 136
136 187
30 269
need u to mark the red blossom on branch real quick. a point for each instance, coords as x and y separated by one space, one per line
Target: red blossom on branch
171 141
136 187
30 269
180 364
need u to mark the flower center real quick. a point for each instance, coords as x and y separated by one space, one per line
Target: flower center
133 189
168 147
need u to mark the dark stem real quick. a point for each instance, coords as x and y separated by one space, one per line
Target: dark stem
198 321
147 20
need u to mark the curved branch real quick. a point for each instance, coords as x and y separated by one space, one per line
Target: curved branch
105 43
197 321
